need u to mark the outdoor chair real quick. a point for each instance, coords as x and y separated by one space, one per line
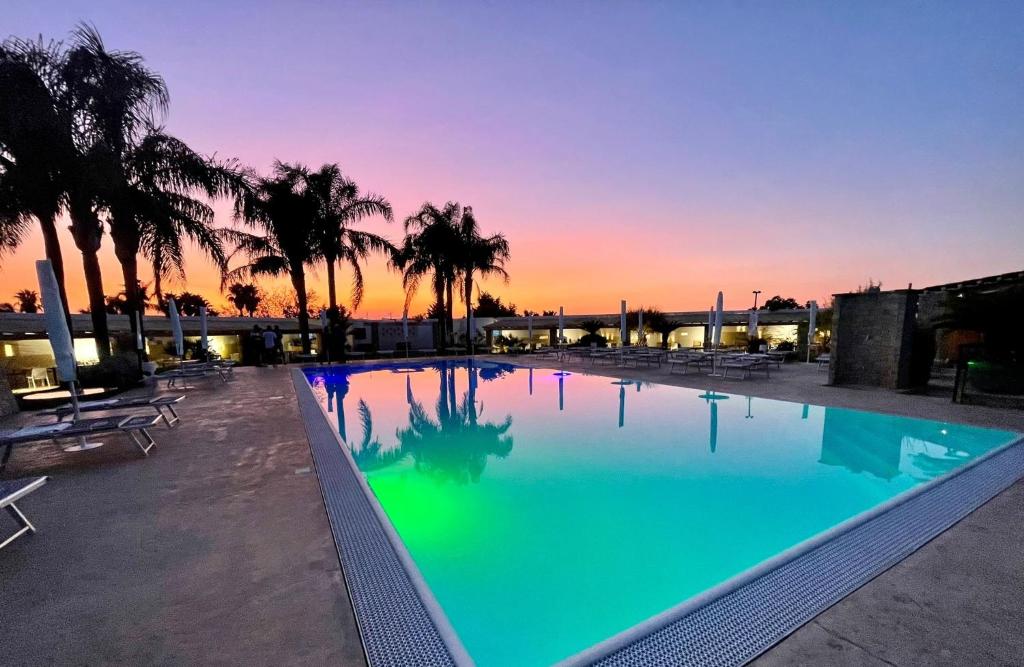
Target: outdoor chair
823 360
38 377
136 427
12 490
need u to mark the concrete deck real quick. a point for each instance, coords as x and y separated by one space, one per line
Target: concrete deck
213 550
216 548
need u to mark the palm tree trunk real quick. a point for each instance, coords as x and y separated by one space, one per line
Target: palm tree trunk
469 308
332 292
299 283
51 242
133 296
97 302
86 230
442 327
126 249
158 290
449 310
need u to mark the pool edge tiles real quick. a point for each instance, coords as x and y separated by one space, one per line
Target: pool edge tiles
399 621
744 616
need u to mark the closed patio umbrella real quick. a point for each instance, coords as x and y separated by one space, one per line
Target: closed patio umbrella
709 332
811 323
623 332
139 345
60 341
204 340
179 336
752 325
640 340
561 325
718 320
716 338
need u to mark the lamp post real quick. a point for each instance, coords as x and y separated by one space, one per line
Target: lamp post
756 292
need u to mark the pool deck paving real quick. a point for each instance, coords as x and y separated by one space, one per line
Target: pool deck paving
216 548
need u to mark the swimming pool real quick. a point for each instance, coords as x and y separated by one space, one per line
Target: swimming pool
549 511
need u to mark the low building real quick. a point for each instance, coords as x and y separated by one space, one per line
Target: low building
779 326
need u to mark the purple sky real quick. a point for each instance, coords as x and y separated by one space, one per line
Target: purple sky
653 152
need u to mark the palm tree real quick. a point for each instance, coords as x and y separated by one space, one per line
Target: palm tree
36 148
244 297
485 255
188 304
28 301
150 177
154 210
659 323
431 247
339 206
114 98
285 214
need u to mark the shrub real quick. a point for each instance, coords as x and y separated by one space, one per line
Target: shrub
119 370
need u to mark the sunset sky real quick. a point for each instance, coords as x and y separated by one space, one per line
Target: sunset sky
656 152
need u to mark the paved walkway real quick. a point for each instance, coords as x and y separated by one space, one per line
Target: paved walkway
213 550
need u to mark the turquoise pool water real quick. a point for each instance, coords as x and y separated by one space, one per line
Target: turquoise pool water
548 512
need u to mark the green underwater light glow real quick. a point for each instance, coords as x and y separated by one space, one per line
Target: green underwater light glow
548 513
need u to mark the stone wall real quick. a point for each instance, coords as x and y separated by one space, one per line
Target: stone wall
872 335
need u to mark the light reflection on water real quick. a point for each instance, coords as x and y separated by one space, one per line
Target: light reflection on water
549 511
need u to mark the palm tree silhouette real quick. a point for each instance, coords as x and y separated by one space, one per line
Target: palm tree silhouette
117 96
431 247
282 210
339 206
37 149
453 445
485 255
28 301
155 206
244 297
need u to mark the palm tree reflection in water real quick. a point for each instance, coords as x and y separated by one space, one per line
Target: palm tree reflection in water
450 445
454 446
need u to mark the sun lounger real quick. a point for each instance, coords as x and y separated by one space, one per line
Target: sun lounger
200 371
13 490
744 365
134 426
160 404
688 360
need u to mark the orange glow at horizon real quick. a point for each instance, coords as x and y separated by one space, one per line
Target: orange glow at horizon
548 270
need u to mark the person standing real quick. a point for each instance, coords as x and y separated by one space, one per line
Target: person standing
279 344
254 346
270 346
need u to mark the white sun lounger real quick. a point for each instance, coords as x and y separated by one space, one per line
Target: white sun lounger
135 427
12 490
159 404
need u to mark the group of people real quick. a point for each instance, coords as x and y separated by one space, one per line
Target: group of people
265 346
